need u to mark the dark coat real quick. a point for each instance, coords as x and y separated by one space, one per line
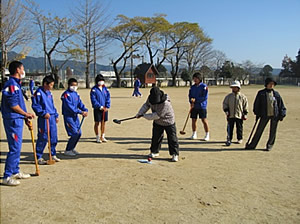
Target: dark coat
260 105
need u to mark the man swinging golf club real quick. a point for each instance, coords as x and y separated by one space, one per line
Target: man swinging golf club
163 120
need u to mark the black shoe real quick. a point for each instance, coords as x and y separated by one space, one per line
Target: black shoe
249 147
269 148
228 143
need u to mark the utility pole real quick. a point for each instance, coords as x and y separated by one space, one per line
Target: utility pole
45 48
2 68
95 62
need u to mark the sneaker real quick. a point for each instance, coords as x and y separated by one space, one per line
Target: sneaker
206 138
55 158
70 153
240 141
41 161
75 151
174 158
103 139
98 140
269 147
153 155
10 181
228 143
194 136
21 176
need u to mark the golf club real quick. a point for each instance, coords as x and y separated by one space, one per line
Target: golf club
247 143
50 161
37 170
187 118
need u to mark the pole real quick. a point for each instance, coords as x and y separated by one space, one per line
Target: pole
95 62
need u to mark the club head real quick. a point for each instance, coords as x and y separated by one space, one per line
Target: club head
182 132
37 173
50 162
116 121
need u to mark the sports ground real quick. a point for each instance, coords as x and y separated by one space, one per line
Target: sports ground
211 183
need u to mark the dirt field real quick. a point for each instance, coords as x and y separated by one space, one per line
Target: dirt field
211 183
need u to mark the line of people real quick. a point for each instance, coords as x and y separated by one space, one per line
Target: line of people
268 106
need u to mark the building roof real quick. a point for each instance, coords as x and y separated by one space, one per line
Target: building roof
142 69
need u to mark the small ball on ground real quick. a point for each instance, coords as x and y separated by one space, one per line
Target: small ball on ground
149 159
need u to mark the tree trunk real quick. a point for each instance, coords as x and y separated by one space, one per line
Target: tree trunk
117 75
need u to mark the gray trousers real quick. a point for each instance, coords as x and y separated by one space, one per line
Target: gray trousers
260 129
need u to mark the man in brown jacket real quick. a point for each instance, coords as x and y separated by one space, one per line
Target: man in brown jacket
235 106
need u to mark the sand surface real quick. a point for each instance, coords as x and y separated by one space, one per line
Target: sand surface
211 183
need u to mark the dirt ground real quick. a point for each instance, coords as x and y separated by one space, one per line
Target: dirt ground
211 183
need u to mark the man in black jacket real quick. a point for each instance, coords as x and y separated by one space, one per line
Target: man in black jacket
268 106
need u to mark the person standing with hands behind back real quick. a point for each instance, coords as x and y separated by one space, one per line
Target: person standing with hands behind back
198 96
268 106
43 106
235 106
100 98
13 113
71 107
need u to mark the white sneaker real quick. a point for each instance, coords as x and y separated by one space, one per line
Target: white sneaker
41 161
153 155
10 182
75 151
206 138
98 140
69 153
103 139
240 141
55 158
174 158
194 136
21 176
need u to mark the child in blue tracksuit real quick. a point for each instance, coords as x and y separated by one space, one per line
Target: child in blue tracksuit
137 84
71 107
43 106
198 96
14 112
100 99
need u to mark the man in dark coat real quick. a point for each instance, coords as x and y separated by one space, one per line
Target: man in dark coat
268 106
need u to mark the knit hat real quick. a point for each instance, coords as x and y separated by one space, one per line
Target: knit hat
235 84
99 78
268 80
156 96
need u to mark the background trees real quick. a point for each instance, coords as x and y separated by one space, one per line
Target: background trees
290 68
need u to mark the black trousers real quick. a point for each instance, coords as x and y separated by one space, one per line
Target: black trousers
158 135
260 129
230 127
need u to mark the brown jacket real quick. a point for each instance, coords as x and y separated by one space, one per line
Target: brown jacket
236 105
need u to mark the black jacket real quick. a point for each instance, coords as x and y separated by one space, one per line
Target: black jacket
260 105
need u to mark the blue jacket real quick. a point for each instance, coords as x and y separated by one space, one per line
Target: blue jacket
12 96
200 93
72 104
100 98
42 103
137 83
31 84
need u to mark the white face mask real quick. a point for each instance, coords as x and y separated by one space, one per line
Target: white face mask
73 88
23 75
101 83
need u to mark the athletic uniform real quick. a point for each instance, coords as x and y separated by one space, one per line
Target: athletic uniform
42 103
200 94
31 86
137 84
100 98
13 124
71 107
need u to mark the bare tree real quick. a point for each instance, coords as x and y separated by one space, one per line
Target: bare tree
56 36
14 31
91 20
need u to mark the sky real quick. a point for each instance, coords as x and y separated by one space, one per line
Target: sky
262 31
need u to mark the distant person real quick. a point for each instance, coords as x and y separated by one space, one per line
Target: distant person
235 106
268 106
163 120
100 98
43 106
198 96
31 86
71 107
137 85
14 113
